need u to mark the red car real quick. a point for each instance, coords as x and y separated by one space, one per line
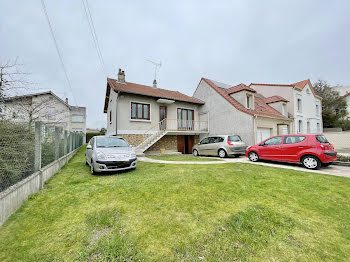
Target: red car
311 150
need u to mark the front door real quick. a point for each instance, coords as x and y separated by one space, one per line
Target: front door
162 116
185 144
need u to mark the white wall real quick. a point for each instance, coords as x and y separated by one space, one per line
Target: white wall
224 118
126 125
308 112
283 91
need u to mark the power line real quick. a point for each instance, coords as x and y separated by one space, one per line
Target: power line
57 49
93 33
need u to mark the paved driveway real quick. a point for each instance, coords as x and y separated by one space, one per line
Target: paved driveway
333 170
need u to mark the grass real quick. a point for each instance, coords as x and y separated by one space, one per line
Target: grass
183 158
160 212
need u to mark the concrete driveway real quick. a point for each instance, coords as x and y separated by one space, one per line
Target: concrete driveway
333 170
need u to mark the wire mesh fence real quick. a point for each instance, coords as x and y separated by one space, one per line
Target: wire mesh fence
25 149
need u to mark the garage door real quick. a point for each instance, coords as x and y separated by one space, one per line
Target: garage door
262 134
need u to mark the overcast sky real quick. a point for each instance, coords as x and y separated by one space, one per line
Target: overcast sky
228 41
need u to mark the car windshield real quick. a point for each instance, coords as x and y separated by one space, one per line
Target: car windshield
111 142
322 139
234 138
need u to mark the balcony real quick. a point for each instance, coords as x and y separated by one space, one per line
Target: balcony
180 125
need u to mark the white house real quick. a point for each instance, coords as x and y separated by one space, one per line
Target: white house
45 107
151 118
344 92
305 106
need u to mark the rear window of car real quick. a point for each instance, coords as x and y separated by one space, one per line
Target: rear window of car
322 139
234 138
293 139
111 142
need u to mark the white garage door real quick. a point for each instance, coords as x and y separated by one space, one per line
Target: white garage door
262 134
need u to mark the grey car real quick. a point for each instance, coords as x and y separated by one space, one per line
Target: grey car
220 145
109 153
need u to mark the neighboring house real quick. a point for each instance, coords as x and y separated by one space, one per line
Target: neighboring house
242 111
47 108
151 118
344 92
305 106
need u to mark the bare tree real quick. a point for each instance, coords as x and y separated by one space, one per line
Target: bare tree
45 108
13 78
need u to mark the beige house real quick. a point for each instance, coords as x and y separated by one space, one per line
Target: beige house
153 119
242 111
47 108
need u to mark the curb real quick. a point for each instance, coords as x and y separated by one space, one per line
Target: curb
341 163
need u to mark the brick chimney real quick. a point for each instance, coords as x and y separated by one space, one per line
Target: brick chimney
154 83
121 76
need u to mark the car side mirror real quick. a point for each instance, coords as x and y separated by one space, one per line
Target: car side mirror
88 147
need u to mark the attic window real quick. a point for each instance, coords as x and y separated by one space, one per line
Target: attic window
249 102
308 91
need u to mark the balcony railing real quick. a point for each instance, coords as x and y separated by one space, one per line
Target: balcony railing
183 125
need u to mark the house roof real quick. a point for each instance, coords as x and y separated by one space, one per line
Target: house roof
11 98
133 88
261 108
347 94
300 85
273 99
239 88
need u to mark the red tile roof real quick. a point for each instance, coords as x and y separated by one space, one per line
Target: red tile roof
260 107
238 88
273 99
138 89
301 84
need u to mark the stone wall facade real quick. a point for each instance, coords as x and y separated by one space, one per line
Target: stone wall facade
167 142
133 140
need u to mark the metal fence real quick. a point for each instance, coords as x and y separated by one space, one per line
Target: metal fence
25 149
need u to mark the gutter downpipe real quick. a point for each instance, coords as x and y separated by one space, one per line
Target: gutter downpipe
116 114
254 128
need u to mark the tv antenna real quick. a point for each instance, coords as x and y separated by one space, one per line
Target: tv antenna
156 66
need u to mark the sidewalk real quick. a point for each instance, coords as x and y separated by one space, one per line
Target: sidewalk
330 170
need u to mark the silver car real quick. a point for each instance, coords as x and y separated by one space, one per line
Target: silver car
109 153
220 145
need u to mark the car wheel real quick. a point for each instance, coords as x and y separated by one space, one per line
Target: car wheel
254 157
311 162
222 153
195 152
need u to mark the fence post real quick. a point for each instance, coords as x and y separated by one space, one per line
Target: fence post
57 142
70 142
65 142
37 147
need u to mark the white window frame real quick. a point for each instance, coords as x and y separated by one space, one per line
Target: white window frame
299 108
250 98
300 126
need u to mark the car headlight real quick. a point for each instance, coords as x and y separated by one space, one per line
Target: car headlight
100 155
132 155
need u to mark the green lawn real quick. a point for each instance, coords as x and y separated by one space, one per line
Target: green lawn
160 212
183 158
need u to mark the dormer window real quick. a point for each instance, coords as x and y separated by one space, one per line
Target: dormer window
249 103
284 109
